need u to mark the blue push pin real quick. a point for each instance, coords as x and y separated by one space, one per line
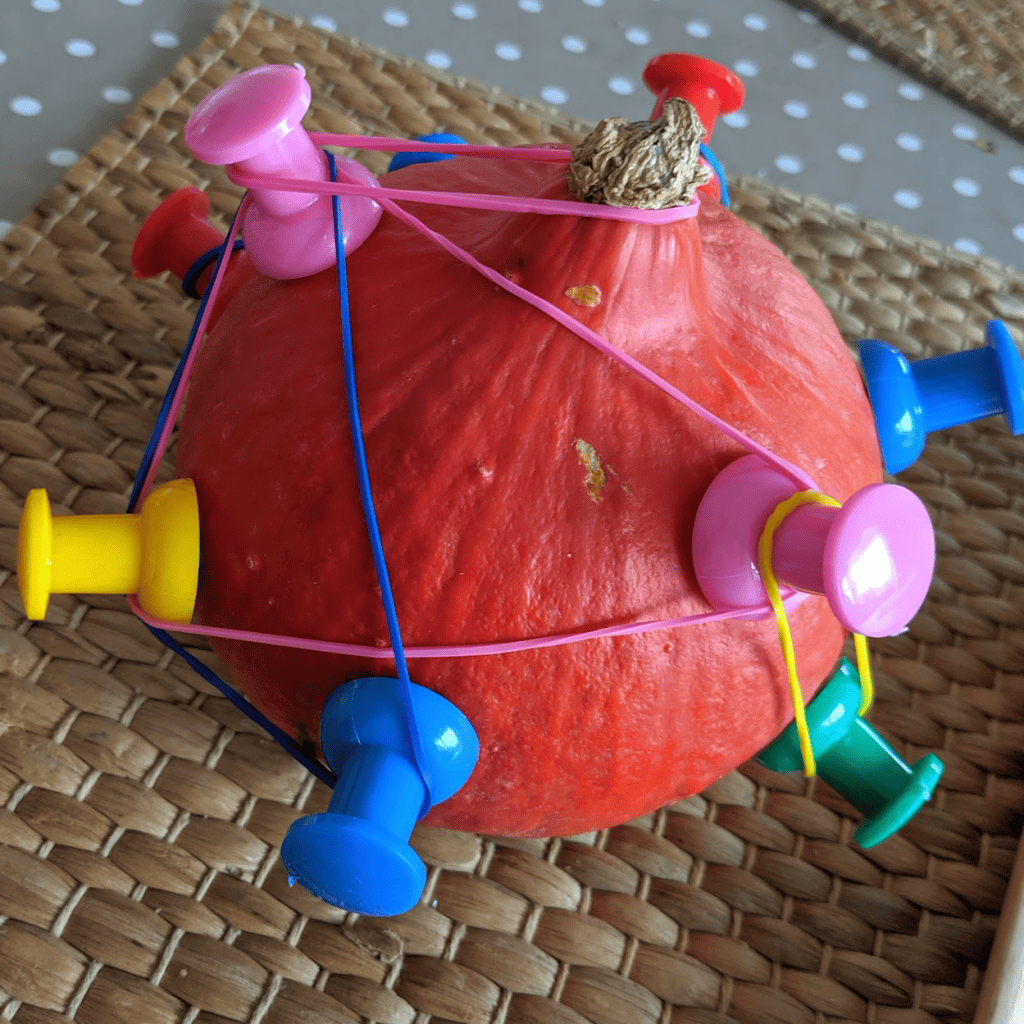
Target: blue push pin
405 159
910 400
356 855
856 761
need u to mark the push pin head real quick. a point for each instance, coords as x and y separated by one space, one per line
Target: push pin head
856 761
873 558
910 400
400 160
253 124
153 554
711 88
356 855
175 235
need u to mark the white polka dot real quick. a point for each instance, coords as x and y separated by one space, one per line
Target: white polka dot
858 53
964 132
621 85
80 48
61 157
3 59
737 119
467 12
48 6
165 40
553 94
907 198
805 59
797 109
910 142
847 207
855 100
1018 232
594 3
755 22
395 17
698 29
910 91
574 44
437 59
850 152
1016 175
5 226
130 3
531 6
807 18
789 164
117 94
966 187
747 68
27 106
508 51
327 23
637 35
968 245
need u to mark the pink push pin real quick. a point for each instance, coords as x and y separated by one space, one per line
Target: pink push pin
873 558
710 87
253 124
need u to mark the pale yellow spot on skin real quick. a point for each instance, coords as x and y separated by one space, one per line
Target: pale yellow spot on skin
591 461
584 294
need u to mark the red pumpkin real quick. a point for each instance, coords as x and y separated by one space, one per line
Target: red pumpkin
526 485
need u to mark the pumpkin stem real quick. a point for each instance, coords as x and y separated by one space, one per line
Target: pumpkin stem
647 165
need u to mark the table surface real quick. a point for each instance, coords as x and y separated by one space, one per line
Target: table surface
822 116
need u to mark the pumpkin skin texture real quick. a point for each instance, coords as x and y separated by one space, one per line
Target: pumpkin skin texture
525 485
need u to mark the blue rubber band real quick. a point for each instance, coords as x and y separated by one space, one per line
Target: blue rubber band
366 495
192 275
719 172
311 765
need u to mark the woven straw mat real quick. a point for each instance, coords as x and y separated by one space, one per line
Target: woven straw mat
971 50
140 881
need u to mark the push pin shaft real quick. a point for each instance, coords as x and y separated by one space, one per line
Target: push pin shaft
253 124
356 855
872 558
856 761
153 553
910 400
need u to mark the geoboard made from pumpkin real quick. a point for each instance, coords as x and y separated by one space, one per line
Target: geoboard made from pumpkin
503 514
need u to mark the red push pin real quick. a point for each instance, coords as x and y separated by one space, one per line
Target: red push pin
711 88
175 235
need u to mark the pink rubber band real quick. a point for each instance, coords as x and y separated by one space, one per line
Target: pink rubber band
386 198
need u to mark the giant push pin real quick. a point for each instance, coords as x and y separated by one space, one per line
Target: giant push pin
711 89
153 554
910 400
873 558
356 855
856 761
253 124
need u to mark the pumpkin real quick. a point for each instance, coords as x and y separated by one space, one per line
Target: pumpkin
526 485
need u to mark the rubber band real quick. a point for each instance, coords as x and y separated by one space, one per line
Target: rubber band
705 151
192 275
764 561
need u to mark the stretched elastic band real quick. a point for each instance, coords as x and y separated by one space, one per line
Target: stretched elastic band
764 559
192 275
712 160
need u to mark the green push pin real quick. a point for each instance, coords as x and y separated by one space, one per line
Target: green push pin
856 761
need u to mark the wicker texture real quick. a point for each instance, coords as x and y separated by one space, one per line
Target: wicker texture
971 50
139 874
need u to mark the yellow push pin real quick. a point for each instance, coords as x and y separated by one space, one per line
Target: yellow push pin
153 553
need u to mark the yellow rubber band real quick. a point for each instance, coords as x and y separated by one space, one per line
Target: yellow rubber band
764 559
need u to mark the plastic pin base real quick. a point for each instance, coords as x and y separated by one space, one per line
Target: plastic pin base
856 761
356 855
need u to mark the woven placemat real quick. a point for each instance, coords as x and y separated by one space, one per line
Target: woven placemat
971 50
140 881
